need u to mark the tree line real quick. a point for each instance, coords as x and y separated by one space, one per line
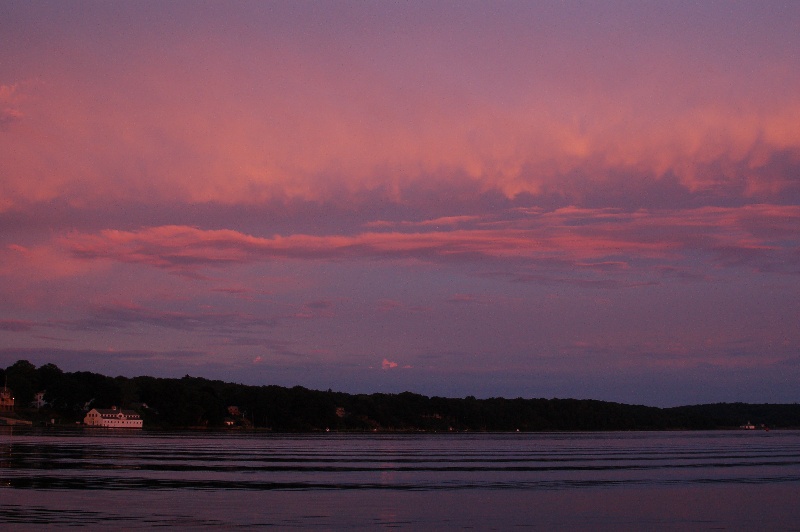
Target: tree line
192 402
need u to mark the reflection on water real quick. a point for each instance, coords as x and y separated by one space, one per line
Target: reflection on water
445 481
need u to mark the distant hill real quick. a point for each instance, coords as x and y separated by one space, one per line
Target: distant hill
199 402
734 414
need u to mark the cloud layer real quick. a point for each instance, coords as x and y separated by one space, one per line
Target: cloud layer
762 237
518 198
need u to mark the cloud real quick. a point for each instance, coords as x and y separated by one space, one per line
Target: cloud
188 250
9 97
393 306
257 339
387 364
467 298
575 241
470 109
16 325
8 116
316 309
444 221
10 94
121 316
389 305
40 262
97 359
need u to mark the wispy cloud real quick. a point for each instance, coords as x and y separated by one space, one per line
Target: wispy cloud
441 222
16 325
395 306
85 359
121 316
599 240
8 116
9 113
316 309
467 298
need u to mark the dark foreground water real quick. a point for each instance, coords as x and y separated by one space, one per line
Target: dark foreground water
748 480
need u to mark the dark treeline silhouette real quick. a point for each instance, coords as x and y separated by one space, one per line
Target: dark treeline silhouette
199 402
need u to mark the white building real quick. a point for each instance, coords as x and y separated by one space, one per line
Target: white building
113 418
38 400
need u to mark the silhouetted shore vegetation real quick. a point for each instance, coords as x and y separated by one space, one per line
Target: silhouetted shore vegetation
192 402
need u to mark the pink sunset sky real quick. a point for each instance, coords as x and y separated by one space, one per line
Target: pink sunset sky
537 199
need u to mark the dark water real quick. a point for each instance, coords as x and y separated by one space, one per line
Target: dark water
655 480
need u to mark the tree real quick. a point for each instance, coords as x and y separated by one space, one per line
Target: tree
24 381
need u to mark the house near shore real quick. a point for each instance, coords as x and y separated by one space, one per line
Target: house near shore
6 400
115 418
38 400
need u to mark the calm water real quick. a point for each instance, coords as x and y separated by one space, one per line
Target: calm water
647 480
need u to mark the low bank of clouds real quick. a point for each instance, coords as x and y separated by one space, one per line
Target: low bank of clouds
605 241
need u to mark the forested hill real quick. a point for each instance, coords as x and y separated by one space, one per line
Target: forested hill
199 402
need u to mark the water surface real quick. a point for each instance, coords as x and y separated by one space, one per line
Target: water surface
136 479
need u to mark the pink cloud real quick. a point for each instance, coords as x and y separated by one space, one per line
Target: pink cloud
387 364
39 262
9 113
185 248
444 221
599 240
8 116
150 123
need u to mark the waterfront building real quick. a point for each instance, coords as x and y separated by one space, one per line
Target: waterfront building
113 418
6 400
38 400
